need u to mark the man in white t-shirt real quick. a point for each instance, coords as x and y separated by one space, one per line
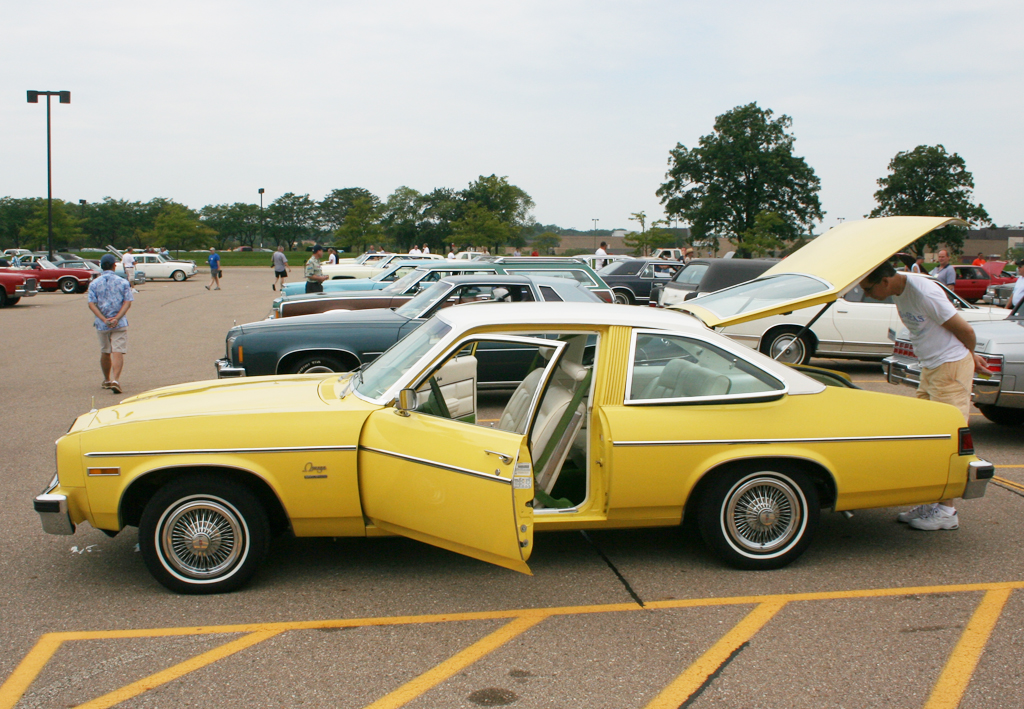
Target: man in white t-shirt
602 250
1018 287
415 251
944 343
128 263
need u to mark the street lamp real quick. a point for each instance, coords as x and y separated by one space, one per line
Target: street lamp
595 232
261 217
33 97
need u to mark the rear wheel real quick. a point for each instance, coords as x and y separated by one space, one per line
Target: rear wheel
623 297
68 285
179 276
202 534
318 364
759 516
1002 415
793 349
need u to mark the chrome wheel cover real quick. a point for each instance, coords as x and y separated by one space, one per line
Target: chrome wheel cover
762 515
202 538
318 369
791 349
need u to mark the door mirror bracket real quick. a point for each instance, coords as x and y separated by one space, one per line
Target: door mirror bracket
406 402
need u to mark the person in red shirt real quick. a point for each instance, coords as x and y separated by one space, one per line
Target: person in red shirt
980 261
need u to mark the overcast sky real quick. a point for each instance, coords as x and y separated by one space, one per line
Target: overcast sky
578 103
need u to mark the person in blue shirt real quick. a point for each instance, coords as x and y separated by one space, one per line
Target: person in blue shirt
214 260
109 299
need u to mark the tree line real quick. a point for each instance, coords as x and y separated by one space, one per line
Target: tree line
742 182
489 212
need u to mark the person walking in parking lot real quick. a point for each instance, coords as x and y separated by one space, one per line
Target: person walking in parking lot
280 264
944 273
109 299
214 260
314 271
602 250
128 263
944 343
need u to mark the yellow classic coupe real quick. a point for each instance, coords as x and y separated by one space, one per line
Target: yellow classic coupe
622 417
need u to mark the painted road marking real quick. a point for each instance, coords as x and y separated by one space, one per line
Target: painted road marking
953 680
1008 483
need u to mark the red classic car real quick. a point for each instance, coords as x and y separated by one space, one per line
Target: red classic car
51 278
14 287
973 281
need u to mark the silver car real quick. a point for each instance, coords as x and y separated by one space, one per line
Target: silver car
999 397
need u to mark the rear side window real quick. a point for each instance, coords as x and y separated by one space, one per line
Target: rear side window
549 293
691 274
575 274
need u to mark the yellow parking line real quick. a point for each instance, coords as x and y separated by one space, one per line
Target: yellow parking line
181 669
1008 483
29 668
1008 466
956 675
456 663
697 674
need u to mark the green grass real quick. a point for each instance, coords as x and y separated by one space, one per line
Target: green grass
296 259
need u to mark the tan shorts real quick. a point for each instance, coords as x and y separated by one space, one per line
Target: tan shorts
949 383
113 340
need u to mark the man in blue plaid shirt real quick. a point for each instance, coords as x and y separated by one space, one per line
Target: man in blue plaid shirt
110 296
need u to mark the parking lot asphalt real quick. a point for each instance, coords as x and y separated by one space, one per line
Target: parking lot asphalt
873 614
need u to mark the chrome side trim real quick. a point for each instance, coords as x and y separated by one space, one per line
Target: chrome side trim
762 441
440 466
202 451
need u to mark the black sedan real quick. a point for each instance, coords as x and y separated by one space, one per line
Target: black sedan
631 281
343 340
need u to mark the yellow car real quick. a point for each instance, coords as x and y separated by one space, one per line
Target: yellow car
622 417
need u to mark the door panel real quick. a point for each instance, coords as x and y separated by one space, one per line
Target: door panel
457 383
432 479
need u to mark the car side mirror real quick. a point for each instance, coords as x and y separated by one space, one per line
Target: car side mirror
406 402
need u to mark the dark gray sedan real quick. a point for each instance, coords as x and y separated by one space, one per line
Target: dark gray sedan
342 340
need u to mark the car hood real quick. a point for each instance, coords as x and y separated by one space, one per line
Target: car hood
250 395
816 274
372 316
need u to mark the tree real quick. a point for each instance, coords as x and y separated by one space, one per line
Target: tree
66 230
400 217
482 227
233 222
14 214
179 228
509 204
332 209
291 218
546 243
361 227
744 168
929 182
439 211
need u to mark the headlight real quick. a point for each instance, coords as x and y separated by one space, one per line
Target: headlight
230 342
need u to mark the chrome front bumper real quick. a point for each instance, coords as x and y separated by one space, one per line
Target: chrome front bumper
979 472
226 371
53 511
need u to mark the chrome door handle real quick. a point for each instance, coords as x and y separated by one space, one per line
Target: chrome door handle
506 459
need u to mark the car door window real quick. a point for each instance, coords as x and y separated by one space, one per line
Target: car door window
669 368
856 295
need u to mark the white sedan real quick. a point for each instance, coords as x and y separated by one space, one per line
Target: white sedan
157 266
854 327
374 264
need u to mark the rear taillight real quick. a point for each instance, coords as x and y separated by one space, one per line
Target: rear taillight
903 348
966 442
994 362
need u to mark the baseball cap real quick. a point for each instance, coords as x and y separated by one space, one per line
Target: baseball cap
107 261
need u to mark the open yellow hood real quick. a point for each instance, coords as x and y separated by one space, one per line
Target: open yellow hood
816 274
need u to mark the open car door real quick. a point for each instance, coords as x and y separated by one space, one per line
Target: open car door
448 482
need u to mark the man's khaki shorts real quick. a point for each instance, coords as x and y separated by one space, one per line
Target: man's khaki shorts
949 383
113 340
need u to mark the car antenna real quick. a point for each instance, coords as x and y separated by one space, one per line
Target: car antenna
93 403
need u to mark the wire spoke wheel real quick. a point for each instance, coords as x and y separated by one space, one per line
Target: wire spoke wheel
202 538
762 514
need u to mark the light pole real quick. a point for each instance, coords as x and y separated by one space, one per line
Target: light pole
261 217
33 97
595 232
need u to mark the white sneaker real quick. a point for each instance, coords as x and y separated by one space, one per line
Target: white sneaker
936 519
918 511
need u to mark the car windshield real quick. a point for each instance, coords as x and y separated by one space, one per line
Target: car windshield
381 374
619 268
405 282
425 300
760 294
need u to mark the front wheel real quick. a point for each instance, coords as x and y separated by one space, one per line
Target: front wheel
318 364
179 276
788 348
203 535
1002 415
759 517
